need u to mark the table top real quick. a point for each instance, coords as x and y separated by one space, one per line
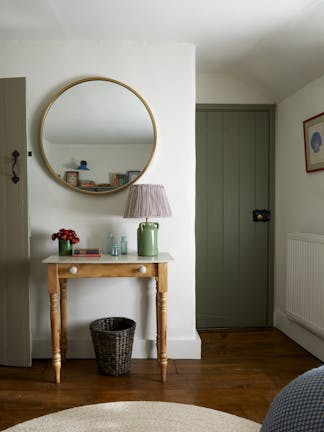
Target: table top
131 258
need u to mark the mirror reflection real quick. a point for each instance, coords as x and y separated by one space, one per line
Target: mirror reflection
97 135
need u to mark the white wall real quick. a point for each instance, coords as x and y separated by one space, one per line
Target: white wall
226 89
299 197
103 161
165 76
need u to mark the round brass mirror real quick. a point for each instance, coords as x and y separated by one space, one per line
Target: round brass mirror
97 136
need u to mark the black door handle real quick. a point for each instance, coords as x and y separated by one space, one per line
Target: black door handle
261 215
15 154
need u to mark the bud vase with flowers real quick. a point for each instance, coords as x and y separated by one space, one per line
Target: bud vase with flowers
67 238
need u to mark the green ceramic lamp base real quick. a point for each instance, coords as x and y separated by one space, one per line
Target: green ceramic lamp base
147 239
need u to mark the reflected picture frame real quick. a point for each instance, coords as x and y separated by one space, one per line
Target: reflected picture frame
72 178
314 143
132 175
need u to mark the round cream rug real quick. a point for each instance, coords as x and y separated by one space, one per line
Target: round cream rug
138 417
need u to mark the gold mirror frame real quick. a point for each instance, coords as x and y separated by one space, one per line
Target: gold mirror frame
41 130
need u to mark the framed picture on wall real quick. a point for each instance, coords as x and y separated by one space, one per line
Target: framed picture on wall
72 178
314 143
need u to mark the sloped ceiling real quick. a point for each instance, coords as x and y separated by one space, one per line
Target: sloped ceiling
275 45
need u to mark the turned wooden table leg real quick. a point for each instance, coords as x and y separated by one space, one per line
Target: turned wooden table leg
161 301
63 309
54 314
157 322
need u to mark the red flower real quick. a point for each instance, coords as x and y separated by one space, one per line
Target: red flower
66 234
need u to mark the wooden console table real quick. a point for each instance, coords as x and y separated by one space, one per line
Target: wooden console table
60 269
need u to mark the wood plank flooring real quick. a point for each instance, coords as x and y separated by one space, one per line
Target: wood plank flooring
240 372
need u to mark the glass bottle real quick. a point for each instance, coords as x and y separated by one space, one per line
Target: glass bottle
114 249
123 245
110 241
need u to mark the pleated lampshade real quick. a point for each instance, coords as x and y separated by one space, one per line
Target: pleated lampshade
147 200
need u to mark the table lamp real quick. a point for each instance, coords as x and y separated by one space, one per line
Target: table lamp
147 200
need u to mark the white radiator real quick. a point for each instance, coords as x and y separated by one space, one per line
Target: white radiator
305 281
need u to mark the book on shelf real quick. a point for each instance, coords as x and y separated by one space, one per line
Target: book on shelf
87 252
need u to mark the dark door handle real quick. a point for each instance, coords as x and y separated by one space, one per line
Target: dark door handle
261 215
15 154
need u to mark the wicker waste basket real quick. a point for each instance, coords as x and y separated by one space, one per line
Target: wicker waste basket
113 343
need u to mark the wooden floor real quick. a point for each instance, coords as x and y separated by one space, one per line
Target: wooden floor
240 372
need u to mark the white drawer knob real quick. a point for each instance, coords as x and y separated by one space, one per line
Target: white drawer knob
142 269
73 270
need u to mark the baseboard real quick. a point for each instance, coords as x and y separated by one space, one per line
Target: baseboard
142 348
300 335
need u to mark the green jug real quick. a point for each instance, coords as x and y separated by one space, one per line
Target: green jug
147 239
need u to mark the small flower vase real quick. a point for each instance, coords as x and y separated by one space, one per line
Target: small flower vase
65 248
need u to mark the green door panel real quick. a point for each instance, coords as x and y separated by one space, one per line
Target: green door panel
232 179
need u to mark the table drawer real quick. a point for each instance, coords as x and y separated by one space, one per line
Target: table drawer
107 270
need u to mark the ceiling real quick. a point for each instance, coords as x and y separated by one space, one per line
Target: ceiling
277 46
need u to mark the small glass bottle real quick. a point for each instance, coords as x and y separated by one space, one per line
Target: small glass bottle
110 241
114 249
123 245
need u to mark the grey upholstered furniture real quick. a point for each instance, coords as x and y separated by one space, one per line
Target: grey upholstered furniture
299 407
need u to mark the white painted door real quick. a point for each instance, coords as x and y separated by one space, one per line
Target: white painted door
15 338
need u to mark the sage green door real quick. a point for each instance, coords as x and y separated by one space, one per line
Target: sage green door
233 253
15 334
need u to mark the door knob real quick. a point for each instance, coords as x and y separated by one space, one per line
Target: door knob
261 215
